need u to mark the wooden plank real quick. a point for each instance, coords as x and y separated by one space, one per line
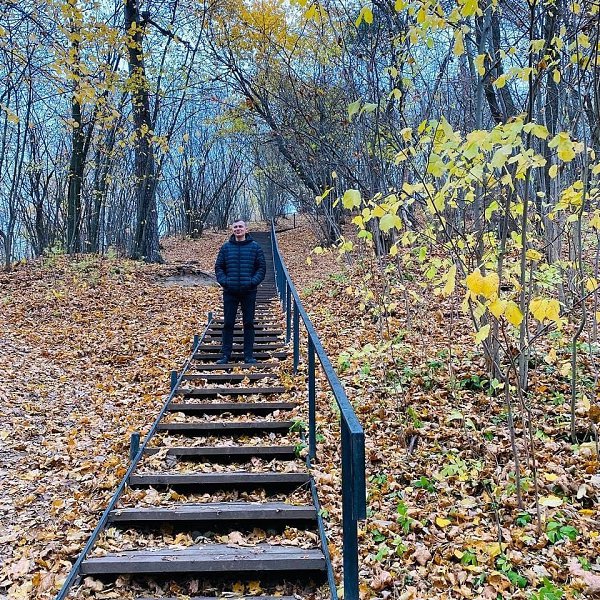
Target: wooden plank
237 356
241 479
258 324
238 333
258 346
228 391
228 377
208 558
264 335
226 427
228 598
227 453
213 366
217 511
258 408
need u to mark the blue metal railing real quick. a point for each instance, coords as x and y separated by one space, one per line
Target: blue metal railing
135 452
352 436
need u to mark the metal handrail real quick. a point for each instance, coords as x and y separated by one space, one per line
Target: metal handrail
175 381
352 436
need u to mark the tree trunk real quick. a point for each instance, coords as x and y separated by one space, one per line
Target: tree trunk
75 179
145 242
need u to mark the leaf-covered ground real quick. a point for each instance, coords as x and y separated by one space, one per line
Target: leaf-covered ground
443 515
86 346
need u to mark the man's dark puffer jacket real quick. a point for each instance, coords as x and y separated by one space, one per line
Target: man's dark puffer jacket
240 266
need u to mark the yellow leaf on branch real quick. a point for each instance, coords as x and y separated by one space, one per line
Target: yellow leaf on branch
483 286
351 199
497 307
450 282
513 314
482 334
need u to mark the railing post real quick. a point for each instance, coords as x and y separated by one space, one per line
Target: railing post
195 342
296 337
350 529
174 378
134 444
312 402
288 313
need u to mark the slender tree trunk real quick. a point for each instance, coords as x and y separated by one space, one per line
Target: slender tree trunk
75 180
145 242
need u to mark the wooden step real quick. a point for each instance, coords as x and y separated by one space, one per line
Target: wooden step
228 391
208 558
216 597
236 356
228 453
231 479
259 325
213 366
238 330
228 378
226 427
216 338
216 511
239 347
205 408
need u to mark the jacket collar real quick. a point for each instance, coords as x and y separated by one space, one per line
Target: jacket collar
242 243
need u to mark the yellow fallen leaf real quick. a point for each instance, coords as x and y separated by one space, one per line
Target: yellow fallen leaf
493 549
550 477
442 522
254 587
551 501
238 588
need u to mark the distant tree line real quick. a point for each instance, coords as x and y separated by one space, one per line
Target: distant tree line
121 122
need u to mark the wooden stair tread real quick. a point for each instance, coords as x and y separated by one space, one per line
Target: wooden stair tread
217 511
265 337
237 355
238 347
230 377
207 558
229 478
221 598
213 366
229 391
258 331
226 426
227 451
232 407
260 325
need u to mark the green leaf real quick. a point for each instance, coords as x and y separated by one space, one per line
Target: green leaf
353 108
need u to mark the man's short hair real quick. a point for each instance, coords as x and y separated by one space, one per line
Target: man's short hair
238 221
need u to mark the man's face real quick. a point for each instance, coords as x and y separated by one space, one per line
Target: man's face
239 230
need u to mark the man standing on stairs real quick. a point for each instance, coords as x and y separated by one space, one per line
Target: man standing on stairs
240 267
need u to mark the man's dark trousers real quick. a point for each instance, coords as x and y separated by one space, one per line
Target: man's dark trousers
231 301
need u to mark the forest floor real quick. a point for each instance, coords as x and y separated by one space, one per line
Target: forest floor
86 346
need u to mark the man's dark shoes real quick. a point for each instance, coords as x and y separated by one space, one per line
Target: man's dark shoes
223 360
250 361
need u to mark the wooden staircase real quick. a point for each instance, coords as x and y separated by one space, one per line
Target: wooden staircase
201 447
